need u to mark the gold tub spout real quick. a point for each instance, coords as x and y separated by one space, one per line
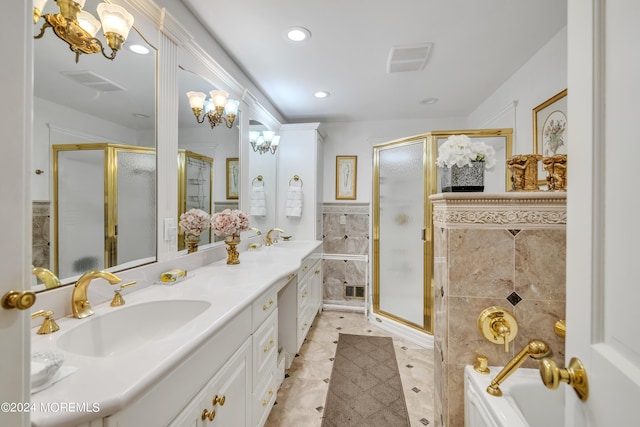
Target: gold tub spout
79 302
267 240
536 349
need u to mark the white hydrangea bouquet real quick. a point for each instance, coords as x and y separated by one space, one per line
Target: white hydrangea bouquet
460 150
195 221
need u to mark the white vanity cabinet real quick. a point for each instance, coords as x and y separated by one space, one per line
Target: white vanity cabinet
299 302
224 401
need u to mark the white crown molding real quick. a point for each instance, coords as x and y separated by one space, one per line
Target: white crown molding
506 210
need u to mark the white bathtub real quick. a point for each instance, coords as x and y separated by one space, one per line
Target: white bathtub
525 401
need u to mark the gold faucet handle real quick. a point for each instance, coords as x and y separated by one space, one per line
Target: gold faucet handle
49 325
117 300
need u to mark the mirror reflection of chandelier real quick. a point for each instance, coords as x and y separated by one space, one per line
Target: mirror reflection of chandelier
264 142
218 109
78 27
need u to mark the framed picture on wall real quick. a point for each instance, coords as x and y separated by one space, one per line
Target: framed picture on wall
550 129
233 178
346 174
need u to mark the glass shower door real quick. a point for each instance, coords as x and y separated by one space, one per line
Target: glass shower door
399 227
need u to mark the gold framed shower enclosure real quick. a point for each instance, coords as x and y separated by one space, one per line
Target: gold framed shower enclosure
87 204
404 176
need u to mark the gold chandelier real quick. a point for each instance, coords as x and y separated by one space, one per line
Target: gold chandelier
264 142
216 114
78 28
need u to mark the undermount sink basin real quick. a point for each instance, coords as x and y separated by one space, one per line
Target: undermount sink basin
129 327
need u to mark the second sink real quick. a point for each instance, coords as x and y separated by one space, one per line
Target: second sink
129 327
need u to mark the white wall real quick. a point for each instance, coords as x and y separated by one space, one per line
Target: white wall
543 76
358 138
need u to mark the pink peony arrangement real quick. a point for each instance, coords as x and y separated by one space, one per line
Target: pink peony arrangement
229 222
195 221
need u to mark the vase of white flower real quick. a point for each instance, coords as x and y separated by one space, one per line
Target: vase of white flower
462 163
463 179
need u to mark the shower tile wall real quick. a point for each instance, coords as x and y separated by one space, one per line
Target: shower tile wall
485 250
41 213
346 249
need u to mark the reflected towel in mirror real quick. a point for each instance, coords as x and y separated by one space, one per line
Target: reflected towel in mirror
294 202
258 201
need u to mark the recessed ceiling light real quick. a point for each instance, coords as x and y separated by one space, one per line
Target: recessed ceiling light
139 49
429 101
321 94
298 34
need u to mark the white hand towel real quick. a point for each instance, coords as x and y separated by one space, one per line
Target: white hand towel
258 201
294 202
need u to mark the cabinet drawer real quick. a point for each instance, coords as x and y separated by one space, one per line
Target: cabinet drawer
305 318
303 296
263 306
263 400
265 348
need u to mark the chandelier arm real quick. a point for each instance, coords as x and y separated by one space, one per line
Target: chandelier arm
42 30
200 119
109 57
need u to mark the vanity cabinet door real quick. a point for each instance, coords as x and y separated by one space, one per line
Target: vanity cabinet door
315 286
232 386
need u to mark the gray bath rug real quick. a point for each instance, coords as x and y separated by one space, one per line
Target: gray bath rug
365 389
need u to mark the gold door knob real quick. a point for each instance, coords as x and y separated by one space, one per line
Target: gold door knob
19 300
206 414
575 375
218 399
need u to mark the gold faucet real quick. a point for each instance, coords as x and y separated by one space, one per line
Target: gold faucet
49 325
79 303
537 349
267 240
48 278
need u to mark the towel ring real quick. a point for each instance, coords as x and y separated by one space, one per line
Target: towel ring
296 178
257 178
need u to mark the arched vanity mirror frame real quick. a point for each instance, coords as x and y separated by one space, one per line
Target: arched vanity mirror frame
422 232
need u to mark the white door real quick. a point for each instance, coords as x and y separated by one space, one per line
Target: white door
603 205
15 202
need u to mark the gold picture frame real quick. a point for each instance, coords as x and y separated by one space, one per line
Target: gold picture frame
550 129
346 177
233 178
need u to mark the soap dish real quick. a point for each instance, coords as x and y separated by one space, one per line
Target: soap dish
44 365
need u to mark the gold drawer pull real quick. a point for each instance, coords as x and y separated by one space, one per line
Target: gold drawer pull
271 341
265 349
304 294
266 306
218 399
316 272
206 414
291 276
265 401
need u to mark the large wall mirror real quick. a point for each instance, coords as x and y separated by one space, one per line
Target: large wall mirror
94 167
208 159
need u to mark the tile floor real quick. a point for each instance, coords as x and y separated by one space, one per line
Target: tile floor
301 397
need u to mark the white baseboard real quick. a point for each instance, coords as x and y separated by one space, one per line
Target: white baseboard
405 332
338 307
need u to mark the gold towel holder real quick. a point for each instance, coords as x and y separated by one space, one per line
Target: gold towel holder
296 178
258 178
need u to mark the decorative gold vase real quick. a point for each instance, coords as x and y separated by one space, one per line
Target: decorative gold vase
556 167
233 256
524 172
191 242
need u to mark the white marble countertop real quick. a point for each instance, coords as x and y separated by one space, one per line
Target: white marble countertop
114 381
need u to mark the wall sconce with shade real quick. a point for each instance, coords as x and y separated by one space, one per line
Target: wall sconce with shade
78 27
214 109
264 142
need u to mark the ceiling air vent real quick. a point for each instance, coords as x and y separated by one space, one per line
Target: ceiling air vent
93 80
409 57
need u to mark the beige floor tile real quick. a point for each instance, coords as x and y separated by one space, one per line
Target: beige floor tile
301 398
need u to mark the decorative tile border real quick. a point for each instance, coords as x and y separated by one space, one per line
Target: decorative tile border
346 208
504 210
